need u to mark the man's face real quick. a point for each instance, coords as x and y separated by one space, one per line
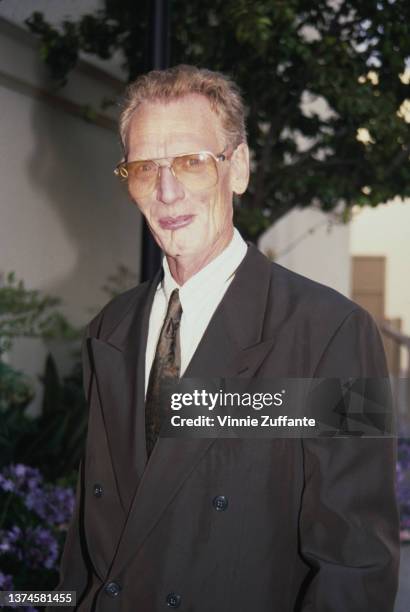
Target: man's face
185 223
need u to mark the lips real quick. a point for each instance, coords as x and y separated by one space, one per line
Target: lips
174 223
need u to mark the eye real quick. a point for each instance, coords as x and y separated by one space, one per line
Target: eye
145 167
142 169
191 163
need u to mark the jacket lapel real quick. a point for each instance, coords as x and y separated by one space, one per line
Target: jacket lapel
233 343
119 362
231 346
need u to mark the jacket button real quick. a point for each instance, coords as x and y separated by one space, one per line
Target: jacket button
220 503
98 490
112 589
173 600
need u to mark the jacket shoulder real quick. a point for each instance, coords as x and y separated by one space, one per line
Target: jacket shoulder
340 336
115 310
310 298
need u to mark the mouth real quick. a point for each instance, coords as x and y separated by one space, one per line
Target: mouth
174 223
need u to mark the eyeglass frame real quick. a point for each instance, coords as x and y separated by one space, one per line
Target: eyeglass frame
218 158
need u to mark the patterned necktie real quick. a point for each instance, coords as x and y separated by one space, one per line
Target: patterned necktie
165 369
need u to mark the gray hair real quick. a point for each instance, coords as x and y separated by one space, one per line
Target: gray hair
173 83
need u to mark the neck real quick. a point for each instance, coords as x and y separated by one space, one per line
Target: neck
183 268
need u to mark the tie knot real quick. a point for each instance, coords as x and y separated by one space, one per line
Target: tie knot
174 313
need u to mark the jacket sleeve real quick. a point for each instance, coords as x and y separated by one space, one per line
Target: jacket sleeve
348 529
75 572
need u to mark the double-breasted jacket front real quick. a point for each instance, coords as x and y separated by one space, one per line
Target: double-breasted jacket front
230 525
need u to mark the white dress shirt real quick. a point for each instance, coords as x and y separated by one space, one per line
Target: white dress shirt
199 297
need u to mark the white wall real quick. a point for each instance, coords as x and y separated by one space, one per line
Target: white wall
309 243
54 10
385 230
65 222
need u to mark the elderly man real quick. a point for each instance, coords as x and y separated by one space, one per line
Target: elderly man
220 524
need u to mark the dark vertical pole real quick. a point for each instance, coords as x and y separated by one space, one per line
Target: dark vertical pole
158 59
160 33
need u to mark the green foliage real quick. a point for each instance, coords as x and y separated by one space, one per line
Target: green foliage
52 441
58 443
345 55
16 392
25 312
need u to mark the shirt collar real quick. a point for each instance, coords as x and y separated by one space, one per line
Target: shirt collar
213 276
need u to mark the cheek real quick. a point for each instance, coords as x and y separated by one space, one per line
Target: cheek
208 210
220 209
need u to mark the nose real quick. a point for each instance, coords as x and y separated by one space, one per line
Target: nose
169 189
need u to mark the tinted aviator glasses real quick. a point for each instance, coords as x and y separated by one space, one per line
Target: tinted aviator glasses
196 171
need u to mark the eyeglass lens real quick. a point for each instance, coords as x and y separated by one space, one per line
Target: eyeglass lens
196 171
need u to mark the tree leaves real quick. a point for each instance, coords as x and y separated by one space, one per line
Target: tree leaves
347 55
26 312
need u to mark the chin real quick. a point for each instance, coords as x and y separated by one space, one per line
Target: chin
179 244
181 249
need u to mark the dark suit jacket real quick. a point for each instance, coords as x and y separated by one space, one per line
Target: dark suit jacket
310 525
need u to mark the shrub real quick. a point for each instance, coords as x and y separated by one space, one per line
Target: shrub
33 523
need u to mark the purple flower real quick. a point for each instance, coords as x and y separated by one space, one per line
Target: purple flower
53 504
42 548
35 500
20 478
6 484
35 546
6 582
59 505
20 470
9 539
403 482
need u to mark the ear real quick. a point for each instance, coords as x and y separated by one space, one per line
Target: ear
240 168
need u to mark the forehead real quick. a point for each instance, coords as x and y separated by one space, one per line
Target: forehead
163 129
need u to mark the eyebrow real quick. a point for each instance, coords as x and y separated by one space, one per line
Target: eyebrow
186 144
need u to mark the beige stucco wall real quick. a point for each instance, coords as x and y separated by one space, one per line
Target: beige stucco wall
65 222
385 230
311 243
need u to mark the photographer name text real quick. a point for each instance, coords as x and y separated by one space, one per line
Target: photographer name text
248 421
